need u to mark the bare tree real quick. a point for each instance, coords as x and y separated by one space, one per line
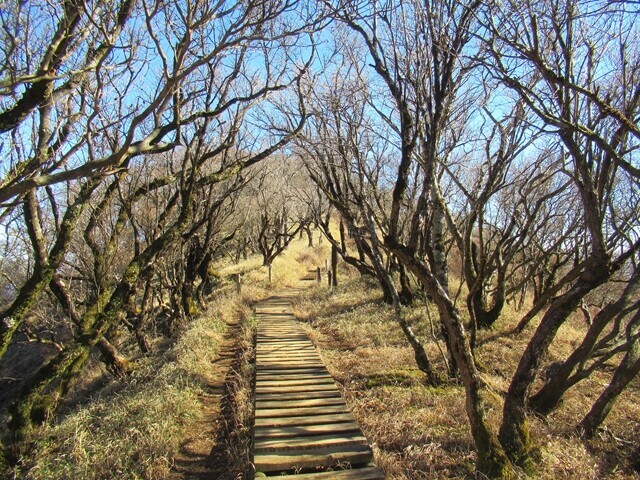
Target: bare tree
213 39
192 89
489 233
346 159
199 104
552 56
417 53
610 332
627 370
279 215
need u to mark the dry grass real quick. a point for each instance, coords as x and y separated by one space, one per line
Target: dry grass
237 415
286 271
420 432
412 426
132 428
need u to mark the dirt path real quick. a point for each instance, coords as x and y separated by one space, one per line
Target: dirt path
202 453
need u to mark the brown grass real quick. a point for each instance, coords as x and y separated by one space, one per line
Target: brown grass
234 436
135 430
422 432
163 421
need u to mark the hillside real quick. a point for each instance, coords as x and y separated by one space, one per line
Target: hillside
169 420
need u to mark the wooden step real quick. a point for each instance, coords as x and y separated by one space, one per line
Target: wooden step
300 347
304 420
288 354
266 360
366 473
294 378
296 389
304 431
304 459
297 395
306 402
291 375
291 369
300 411
305 364
284 358
282 372
280 343
302 424
281 339
310 442
297 381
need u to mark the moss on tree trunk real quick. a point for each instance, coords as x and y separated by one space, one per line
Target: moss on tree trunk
514 431
492 459
13 316
117 364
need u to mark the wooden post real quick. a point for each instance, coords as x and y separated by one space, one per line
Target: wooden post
236 278
326 265
329 278
319 275
334 265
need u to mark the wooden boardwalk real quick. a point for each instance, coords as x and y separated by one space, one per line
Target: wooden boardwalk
302 426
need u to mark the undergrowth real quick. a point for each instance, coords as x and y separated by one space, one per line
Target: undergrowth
238 411
421 432
134 427
131 429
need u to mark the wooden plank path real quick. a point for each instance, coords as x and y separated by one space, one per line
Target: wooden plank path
301 421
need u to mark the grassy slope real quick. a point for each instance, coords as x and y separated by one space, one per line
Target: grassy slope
131 428
421 432
134 428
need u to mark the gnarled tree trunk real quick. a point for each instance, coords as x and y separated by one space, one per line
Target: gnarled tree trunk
628 369
514 431
492 460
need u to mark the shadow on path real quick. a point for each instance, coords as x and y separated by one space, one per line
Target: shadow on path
203 453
